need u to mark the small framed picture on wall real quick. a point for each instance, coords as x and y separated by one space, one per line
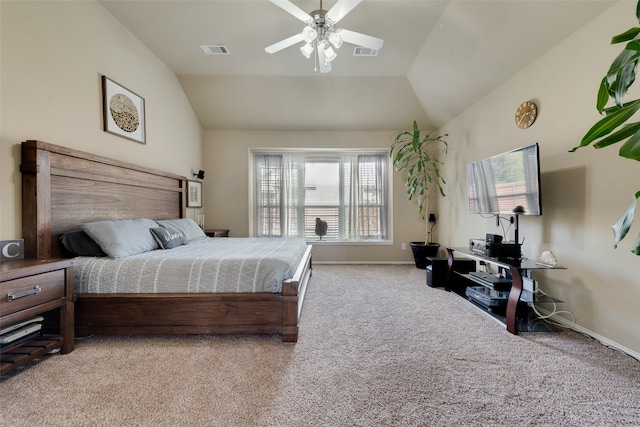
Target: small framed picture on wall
194 194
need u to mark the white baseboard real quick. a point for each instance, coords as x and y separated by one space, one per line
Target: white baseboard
603 340
364 262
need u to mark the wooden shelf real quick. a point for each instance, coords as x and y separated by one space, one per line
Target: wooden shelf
28 351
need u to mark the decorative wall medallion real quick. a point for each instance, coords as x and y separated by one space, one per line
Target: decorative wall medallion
123 111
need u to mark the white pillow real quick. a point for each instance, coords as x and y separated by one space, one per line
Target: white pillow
188 227
122 237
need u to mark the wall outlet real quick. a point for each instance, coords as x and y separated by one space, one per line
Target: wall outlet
404 246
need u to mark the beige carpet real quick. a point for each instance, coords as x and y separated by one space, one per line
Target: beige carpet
377 347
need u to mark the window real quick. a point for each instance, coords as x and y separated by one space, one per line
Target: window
349 190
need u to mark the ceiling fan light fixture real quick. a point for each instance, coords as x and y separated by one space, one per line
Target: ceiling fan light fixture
335 38
320 35
307 50
329 53
309 34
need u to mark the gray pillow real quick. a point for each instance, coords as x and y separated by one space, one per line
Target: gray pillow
122 237
186 226
168 238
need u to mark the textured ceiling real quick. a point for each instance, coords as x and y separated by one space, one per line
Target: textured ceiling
438 58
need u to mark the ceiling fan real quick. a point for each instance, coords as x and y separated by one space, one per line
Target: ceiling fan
320 33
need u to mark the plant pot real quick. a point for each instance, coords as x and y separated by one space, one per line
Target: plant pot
421 251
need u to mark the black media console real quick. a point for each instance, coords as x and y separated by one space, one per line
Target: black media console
505 299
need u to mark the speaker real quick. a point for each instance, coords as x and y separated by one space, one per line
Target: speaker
437 271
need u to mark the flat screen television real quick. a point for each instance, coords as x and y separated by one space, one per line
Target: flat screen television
506 184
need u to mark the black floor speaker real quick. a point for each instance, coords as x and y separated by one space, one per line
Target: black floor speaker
437 271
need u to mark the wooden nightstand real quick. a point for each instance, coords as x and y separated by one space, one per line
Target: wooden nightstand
37 287
217 233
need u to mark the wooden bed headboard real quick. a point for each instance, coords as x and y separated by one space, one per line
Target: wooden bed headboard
63 188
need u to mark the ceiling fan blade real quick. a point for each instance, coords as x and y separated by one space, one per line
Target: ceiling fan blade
362 40
282 44
325 66
293 9
341 8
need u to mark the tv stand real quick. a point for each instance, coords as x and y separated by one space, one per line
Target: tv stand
517 267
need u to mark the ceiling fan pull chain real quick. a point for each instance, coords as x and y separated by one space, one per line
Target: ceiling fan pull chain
315 60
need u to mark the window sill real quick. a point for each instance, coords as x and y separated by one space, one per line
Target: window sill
349 242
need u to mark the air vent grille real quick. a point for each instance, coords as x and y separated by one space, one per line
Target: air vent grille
214 49
364 51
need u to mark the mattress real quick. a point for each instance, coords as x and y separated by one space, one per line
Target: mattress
205 265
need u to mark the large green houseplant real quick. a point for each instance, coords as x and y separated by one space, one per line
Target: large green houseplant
416 155
613 128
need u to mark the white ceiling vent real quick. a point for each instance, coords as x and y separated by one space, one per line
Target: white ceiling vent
214 49
364 51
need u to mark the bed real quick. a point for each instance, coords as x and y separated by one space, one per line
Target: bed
64 188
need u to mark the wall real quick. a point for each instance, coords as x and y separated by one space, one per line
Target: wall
226 154
53 54
583 193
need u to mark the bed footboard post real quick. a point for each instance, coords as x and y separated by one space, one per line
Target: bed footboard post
290 317
293 292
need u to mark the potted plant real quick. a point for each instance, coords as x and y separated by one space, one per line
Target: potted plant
416 155
616 127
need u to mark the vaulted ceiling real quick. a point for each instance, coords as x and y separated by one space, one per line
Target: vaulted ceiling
439 58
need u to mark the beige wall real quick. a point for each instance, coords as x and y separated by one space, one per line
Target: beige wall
583 193
226 155
53 54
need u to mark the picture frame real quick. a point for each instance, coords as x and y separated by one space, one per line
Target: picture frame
194 194
123 111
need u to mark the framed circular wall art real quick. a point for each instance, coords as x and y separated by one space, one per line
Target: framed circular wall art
122 111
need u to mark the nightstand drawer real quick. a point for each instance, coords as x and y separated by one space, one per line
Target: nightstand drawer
18 294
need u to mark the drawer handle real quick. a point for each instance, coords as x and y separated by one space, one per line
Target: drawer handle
36 290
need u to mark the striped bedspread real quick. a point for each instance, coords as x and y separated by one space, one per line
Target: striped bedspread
206 265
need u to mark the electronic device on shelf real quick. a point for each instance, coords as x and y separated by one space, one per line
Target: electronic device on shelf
495 248
489 298
504 250
492 280
493 238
